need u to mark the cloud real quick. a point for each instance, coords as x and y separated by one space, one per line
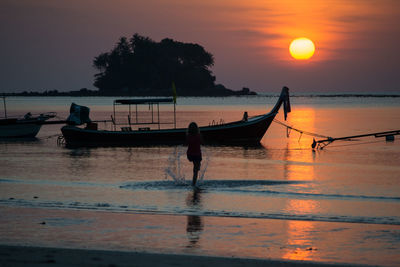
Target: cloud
251 33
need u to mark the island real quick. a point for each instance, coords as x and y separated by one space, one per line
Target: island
140 66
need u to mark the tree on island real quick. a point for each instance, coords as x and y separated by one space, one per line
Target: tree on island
142 67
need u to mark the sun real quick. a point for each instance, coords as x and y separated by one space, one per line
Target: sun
302 48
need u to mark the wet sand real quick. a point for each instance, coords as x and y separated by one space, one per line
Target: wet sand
40 236
40 256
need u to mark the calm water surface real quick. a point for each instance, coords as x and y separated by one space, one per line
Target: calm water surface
354 181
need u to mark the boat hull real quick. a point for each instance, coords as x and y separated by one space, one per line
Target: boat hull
19 130
236 133
248 132
27 127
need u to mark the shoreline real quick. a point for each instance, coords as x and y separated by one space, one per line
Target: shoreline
23 256
31 235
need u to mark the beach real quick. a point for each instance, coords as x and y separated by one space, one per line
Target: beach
281 203
39 256
65 238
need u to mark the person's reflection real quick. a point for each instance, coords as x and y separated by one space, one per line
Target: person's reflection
79 160
194 225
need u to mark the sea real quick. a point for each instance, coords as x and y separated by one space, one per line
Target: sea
280 200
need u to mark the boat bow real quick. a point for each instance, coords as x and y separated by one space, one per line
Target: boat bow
283 99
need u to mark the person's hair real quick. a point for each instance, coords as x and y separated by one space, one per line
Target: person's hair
193 129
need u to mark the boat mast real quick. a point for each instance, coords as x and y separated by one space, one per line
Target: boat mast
5 108
174 115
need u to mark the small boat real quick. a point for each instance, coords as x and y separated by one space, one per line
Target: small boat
247 131
27 126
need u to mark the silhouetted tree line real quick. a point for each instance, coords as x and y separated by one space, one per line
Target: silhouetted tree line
81 92
142 67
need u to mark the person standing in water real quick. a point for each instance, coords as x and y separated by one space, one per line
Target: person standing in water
194 151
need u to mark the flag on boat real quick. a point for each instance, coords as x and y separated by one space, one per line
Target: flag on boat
286 101
174 92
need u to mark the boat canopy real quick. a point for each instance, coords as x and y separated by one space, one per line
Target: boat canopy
143 101
139 101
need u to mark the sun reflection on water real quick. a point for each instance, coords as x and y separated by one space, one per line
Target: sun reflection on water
298 166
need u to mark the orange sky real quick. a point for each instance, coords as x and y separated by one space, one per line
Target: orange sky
50 44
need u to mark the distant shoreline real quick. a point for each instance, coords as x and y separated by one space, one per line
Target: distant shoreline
86 92
69 94
347 95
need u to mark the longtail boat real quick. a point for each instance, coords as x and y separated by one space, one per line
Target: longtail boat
248 131
26 126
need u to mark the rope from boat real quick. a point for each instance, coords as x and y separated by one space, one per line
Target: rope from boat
320 144
355 144
290 128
